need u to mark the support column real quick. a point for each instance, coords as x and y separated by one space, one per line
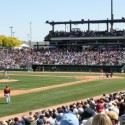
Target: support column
88 25
70 26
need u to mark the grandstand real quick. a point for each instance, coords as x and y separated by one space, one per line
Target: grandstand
106 47
75 50
91 49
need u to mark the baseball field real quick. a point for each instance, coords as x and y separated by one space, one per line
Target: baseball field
31 91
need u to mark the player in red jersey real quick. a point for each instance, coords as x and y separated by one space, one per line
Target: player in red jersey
7 94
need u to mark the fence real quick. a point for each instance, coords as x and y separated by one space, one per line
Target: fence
76 68
69 68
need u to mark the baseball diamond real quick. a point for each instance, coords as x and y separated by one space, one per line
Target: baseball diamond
76 76
25 91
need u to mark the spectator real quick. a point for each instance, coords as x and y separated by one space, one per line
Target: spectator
88 113
69 119
100 107
101 119
114 117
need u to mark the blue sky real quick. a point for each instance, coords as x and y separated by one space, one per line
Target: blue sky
19 14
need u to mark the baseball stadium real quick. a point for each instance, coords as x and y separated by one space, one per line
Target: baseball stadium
78 71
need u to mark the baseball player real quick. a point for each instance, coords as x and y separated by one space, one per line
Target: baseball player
101 73
7 94
6 74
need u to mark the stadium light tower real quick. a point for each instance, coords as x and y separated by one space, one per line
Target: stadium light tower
11 32
30 34
28 37
112 16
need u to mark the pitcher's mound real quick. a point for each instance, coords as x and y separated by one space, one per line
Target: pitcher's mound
7 80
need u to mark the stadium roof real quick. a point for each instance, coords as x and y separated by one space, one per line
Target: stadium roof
122 20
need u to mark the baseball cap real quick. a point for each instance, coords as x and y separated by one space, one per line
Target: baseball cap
113 115
69 119
88 112
40 121
99 107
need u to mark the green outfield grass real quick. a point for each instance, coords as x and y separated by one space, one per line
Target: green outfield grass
35 80
36 100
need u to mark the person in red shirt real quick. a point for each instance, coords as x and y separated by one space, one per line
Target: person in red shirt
7 94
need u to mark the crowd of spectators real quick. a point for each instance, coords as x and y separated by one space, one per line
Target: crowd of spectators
87 33
25 58
106 110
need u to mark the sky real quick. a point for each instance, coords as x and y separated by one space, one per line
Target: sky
30 15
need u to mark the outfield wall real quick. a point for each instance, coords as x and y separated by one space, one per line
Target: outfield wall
69 68
76 68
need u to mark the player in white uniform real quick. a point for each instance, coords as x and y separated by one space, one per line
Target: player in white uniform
6 74
102 73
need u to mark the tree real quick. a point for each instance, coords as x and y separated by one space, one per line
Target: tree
9 41
0 41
